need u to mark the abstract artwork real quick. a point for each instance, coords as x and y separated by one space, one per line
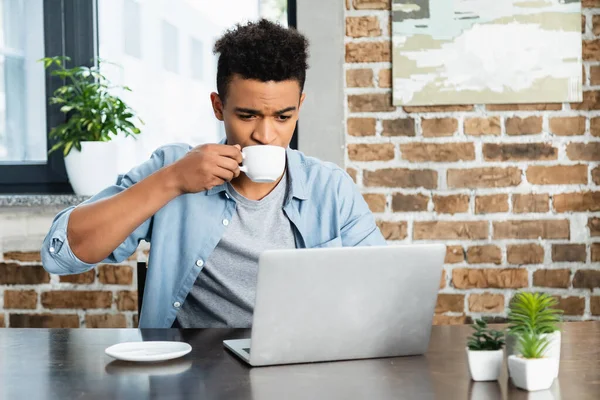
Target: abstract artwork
486 51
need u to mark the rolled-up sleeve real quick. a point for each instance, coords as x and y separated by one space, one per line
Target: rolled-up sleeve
57 256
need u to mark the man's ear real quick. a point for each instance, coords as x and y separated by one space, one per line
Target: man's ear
302 97
217 105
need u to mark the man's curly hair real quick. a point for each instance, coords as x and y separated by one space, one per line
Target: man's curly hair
261 50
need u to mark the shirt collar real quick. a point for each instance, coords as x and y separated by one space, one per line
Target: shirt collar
297 188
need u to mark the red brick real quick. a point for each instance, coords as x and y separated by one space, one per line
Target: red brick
135 321
594 226
558 174
487 177
454 255
44 321
437 152
482 126
14 274
435 127
443 280
401 177
469 278
595 305
586 279
359 77
531 203
532 229
567 126
2 322
82 279
374 102
409 202
569 252
393 230
352 172
519 152
23 256
77 299
20 299
127 301
525 253
452 204
449 230
517 126
591 50
361 126
554 278
450 303
105 321
486 303
591 101
363 52
596 25
398 127
367 26
115 274
385 78
577 202
571 305
486 254
375 201
595 122
584 151
595 248
371 152
494 203
596 176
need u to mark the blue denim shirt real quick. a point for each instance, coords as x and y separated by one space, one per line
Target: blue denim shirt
323 205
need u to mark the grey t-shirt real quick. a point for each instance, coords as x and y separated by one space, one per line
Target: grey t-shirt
224 292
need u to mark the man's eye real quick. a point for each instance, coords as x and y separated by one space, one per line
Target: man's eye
247 116
284 117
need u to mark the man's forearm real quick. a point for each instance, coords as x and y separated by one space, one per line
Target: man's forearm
95 230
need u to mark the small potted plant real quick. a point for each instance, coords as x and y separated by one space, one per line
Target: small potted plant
93 117
484 352
532 369
534 313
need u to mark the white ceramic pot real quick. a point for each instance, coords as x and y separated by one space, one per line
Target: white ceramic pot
484 365
553 350
93 168
531 374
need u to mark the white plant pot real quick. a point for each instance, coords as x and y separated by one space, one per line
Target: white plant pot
484 365
531 374
553 350
93 168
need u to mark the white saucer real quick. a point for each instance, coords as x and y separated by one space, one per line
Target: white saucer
148 351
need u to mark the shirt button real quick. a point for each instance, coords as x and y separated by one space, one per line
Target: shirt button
225 222
227 195
199 263
177 304
52 250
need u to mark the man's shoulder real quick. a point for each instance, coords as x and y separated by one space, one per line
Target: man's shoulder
172 152
314 172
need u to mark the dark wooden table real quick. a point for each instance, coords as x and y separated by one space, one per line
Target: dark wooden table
71 364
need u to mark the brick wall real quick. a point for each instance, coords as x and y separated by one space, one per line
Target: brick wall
30 297
513 190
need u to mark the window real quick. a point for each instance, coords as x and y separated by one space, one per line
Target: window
164 50
22 108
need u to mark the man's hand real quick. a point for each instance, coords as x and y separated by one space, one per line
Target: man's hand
207 166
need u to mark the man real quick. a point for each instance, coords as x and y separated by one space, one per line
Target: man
206 222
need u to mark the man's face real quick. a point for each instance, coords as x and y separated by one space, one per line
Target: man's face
258 112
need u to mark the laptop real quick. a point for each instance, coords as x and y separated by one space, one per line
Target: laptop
347 303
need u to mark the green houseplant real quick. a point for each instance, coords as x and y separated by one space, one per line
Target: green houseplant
534 314
93 117
484 352
532 369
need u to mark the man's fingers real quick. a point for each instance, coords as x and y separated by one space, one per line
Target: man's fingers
233 152
224 174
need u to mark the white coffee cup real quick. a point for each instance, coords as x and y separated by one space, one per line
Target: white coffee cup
263 163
